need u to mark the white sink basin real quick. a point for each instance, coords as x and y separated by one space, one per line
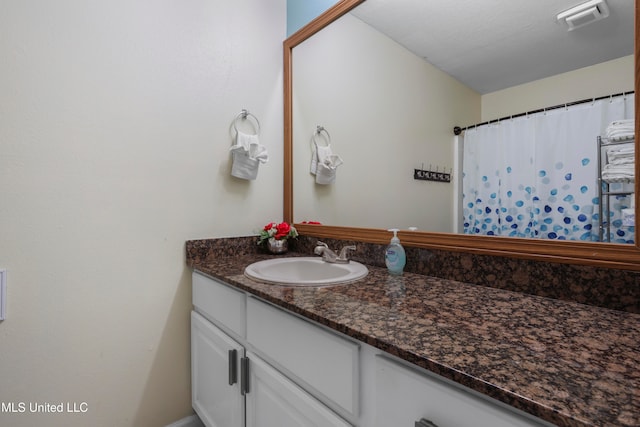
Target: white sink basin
305 271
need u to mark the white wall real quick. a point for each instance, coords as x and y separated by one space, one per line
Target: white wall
603 79
388 112
114 136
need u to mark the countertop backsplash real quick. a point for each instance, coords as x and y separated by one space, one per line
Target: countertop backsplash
602 287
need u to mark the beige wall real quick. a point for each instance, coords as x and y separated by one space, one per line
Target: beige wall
114 137
590 82
388 113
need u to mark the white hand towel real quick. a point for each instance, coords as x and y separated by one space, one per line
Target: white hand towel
247 153
259 153
324 163
244 140
319 154
326 172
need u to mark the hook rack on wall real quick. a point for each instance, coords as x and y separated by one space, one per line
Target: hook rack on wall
431 175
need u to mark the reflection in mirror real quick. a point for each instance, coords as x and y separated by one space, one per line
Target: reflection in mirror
311 198
390 112
350 79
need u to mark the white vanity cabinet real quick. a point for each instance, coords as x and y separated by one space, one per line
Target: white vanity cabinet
233 386
258 365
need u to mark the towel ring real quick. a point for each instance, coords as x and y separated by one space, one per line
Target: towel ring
244 114
319 131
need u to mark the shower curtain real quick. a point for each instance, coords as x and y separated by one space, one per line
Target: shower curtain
535 176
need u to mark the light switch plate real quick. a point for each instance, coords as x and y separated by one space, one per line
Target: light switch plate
3 293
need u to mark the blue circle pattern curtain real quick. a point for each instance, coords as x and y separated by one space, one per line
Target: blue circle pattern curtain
536 176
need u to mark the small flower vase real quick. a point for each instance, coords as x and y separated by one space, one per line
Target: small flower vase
277 246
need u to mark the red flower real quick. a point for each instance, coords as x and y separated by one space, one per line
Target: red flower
282 230
276 231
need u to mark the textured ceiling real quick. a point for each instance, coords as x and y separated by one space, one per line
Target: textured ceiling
495 44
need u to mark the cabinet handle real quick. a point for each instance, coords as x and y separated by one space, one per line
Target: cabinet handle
244 375
233 367
425 423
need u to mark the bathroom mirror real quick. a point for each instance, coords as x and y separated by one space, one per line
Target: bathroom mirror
610 255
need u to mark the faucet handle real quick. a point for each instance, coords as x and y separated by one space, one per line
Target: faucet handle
320 248
345 251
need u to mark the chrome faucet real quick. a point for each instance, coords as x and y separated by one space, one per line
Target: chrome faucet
330 256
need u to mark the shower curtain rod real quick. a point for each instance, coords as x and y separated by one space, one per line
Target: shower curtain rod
457 130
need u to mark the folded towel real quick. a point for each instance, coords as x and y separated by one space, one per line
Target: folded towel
620 129
243 166
323 162
259 153
613 178
621 157
326 171
244 140
319 154
621 160
250 144
621 136
622 123
247 153
622 149
624 168
619 173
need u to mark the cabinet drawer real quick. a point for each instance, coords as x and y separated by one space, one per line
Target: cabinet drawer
318 359
405 395
220 303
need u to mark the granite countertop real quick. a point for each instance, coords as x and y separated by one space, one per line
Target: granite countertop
567 363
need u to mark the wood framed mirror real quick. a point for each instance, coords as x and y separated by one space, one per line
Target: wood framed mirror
609 255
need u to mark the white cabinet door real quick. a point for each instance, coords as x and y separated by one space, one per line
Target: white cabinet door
217 402
319 360
275 401
404 396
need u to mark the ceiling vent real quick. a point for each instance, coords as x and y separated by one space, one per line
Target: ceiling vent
584 13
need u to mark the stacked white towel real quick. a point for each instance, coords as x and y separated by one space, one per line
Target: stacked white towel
619 130
620 165
248 153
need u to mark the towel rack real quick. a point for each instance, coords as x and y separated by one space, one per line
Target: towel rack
319 131
244 114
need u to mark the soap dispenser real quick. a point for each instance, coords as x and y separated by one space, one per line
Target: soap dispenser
394 256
